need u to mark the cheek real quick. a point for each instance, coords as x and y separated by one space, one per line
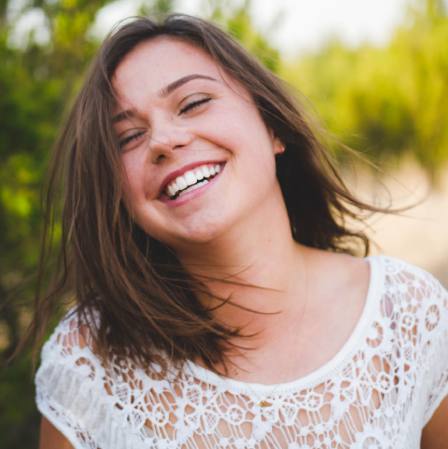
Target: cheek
135 183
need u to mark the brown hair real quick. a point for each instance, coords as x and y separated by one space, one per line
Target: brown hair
145 300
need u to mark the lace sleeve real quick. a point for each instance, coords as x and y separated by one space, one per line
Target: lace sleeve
67 384
435 345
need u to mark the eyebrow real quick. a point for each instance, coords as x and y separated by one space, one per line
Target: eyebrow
164 92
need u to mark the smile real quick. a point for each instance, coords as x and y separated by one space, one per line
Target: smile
192 180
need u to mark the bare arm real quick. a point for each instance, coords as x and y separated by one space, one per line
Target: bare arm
51 438
435 433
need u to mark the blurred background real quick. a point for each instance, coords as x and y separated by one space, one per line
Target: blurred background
373 73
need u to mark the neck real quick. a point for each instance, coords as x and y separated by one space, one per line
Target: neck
259 267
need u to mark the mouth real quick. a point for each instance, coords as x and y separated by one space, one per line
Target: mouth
191 179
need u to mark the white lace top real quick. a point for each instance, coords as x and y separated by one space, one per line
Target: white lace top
377 392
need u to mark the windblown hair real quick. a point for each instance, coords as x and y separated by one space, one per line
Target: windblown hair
145 300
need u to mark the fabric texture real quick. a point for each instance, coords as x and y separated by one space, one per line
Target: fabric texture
377 392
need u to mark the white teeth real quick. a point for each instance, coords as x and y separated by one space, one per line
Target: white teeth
171 190
196 186
198 173
181 183
192 178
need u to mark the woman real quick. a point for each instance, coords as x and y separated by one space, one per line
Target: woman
218 303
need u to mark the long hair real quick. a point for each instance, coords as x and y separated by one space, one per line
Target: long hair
145 300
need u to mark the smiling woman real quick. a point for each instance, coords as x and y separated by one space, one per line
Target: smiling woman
191 125
220 298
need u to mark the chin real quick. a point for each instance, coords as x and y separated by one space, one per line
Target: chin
196 229
203 233
205 229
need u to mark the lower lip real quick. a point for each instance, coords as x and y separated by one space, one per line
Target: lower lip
186 197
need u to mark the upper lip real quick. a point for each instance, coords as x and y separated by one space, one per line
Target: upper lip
180 171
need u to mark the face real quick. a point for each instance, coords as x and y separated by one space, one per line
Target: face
197 156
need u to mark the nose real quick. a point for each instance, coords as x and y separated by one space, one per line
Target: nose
166 138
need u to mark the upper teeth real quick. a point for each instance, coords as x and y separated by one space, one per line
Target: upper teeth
191 177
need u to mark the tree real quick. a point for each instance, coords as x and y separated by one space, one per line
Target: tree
387 101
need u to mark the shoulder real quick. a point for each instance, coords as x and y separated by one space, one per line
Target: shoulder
72 347
69 380
411 307
409 285
390 282
72 336
84 396
68 360
414 304
337 272
71 351
402 297
410 299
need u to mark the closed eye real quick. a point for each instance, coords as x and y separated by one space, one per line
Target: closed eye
130 138
194 104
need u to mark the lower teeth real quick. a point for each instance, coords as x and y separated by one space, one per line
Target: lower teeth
191 188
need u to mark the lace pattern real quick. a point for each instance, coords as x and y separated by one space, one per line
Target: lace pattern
377 392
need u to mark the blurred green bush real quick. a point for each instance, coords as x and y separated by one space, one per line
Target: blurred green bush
385 101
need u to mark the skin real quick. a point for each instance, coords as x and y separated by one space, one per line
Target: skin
227 128
216 232
51 438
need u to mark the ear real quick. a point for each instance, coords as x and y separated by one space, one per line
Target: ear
277 144
279 147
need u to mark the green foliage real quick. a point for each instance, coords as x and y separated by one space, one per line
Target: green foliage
158 7
19 425
236 19
388 101
36 82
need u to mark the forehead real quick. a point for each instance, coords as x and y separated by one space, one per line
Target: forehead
154 63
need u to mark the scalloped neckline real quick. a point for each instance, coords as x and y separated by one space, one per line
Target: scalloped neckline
359 329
